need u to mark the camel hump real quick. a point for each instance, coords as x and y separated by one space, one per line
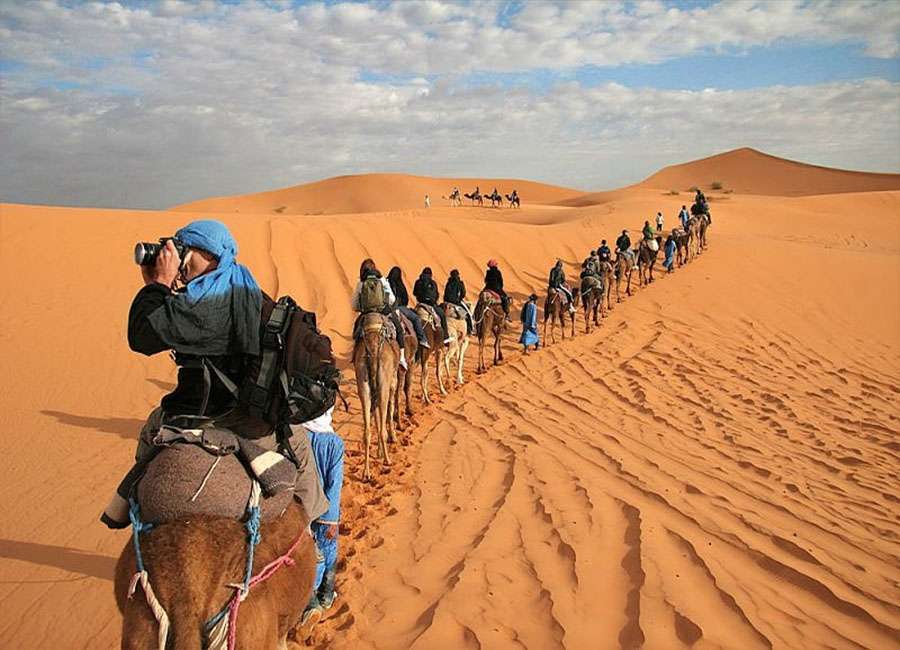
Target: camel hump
222 487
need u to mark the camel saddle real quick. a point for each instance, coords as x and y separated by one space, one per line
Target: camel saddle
454 311
489 297
382 324
185 480
591 282
433 318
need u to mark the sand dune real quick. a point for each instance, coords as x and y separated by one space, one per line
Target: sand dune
372 193
749 171
714 467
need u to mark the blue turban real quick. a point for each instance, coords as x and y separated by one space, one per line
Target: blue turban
218 313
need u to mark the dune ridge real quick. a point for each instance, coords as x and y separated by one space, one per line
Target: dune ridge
372 193
713 467
748 171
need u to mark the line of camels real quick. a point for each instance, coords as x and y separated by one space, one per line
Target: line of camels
476 197
383 383
190 561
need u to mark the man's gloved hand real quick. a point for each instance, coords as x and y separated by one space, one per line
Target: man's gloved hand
165 269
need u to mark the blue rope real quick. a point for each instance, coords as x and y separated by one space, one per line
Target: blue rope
134 514
253 537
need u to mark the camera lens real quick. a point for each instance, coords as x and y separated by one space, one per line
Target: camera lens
144 253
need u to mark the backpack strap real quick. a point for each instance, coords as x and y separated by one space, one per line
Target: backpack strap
272 345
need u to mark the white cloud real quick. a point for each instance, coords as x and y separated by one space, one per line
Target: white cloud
151 106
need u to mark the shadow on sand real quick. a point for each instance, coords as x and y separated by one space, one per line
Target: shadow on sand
128 428
60 557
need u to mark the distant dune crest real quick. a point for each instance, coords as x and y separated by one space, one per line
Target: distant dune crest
745 171
748 171
373 193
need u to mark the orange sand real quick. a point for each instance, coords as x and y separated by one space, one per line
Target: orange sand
715 466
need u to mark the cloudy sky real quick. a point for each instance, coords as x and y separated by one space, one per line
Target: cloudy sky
150 104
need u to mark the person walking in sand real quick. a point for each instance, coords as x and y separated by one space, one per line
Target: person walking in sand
529 324
427 201
659 221
328 450
669 250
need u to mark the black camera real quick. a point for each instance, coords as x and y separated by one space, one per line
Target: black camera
145 253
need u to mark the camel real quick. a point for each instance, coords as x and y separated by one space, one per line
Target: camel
514 201
454 198
682 239
459 342
555 309
435 335
623 268
592 301
191 565
475 197
496 199
608 275
646 259
489 319
375 360
404 377
702 226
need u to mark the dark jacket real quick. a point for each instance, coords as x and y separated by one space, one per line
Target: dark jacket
399 290
426 290
604 253
187 397
623 243
455 290
493 280
557 278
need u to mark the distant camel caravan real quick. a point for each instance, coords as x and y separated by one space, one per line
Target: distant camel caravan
477 198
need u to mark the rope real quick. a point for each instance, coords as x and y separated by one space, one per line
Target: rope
205 479
267 572
143 578
159 612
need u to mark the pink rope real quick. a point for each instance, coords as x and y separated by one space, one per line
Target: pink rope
267 572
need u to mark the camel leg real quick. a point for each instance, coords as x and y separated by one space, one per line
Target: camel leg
462 356
423 368
366 398
396 399
440 360
384 408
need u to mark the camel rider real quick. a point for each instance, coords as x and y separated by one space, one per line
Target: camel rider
426 292
395 279
557 281
603 252
205 308
382 302
647 232
493 281
623 246
684 217
455 294
700 199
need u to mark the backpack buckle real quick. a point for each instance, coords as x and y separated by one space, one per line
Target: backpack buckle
273 339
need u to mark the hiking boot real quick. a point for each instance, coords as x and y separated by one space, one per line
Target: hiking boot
424 344
403 360
326 593
311 617
447 341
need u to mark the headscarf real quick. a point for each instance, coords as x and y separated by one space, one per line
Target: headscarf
218 312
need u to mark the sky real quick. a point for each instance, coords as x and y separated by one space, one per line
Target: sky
149 104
